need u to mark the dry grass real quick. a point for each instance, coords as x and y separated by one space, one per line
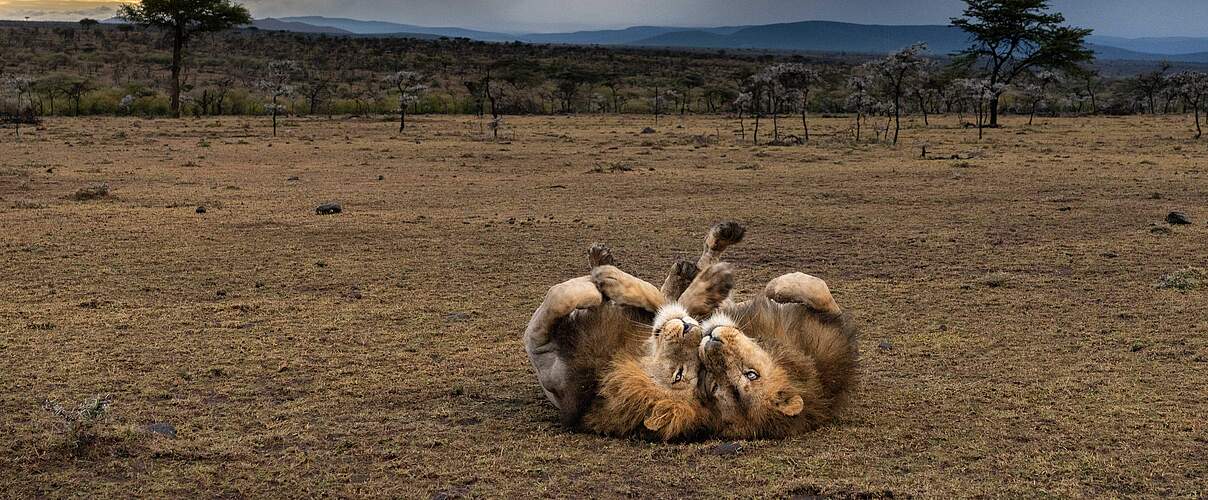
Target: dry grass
377 352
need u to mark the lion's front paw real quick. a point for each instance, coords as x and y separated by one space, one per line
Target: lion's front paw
600 255
725 234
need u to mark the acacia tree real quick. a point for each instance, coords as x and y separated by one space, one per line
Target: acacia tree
1192 87
276 84
981 93
22 86
182 20
1037 90
858 98
768 80
410 85
893 75
1011 36
742 103
798 79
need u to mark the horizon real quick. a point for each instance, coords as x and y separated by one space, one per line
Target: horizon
1116 18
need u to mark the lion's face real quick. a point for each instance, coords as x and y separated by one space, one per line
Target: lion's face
673 365
674 362
744 383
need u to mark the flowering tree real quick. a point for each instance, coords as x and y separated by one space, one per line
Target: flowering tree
859 99
797 80
22 86
1037 90
768 80
276 83
410 86
1192 87
982 93
894 74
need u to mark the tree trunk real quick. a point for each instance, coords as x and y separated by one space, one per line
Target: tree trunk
178 46
756 136
897 118
402 114
858 113
994 111
274 115
1198 132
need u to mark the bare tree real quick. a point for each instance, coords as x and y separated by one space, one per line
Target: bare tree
410 85
276 83
741 105
1192 87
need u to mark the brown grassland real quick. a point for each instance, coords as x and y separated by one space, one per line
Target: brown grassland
1015 341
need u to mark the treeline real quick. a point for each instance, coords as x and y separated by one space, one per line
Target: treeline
74 69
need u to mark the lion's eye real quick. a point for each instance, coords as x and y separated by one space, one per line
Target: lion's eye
751 375
679 375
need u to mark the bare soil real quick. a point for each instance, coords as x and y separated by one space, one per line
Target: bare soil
1015 341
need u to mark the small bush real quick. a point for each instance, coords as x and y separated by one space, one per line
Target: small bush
91 192
996 280
1183 280
79 425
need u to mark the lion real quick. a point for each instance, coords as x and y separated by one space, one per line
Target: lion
782 363
618 356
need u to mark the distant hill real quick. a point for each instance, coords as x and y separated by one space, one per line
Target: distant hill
1175 45
820 36
271 24
810 36
619 37
388 28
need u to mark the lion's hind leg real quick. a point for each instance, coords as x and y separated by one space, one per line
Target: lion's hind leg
801 288
561 301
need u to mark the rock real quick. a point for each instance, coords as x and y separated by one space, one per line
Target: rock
164 429
381 177
885 345
329 208
726 449
647 130
457 316
201 210
293 178
1177 219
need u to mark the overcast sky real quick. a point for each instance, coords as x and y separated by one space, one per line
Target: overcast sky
1132 18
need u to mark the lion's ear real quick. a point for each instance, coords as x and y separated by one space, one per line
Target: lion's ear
789 403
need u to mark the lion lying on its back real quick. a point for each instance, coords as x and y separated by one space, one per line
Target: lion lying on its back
620 357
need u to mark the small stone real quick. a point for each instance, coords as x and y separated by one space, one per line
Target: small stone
201 210
1177 219
163 429
885 345
329 208
457 316
647 130
293 178
726 449
381 177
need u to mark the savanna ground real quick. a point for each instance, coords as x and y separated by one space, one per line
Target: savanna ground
1015 341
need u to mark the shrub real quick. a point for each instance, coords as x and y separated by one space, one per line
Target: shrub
79 425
